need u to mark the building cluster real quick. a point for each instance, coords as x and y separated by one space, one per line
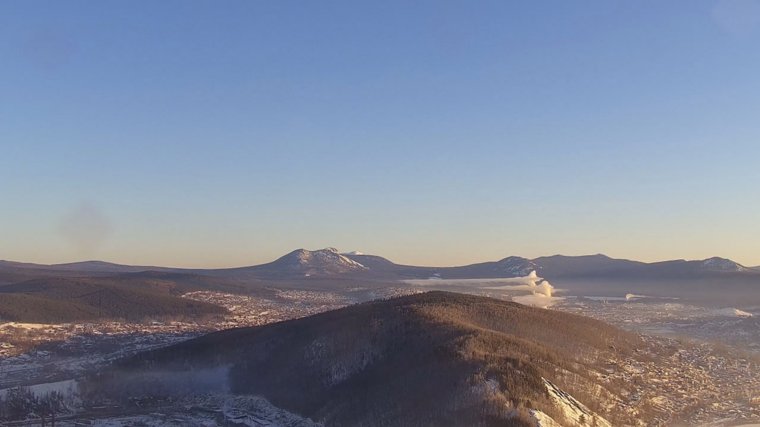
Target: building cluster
696 385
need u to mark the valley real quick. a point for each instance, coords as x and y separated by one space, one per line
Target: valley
692 365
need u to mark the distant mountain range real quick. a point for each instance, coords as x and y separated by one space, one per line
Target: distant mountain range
330 263
95 289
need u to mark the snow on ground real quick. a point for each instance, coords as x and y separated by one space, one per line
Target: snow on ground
731 312
27 325
204 411
254 411
152 420
66 387
543 420
572 409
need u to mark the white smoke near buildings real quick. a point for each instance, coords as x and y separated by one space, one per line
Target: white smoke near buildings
544 288
532 283
540 293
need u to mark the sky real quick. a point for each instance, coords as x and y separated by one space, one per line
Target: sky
212 134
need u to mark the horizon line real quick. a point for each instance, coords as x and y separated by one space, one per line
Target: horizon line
103 261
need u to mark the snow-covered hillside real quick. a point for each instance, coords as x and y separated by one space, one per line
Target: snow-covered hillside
722 264
573 411
306 263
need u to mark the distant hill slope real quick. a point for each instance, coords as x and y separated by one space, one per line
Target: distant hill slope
561 266
12 272
429 359
587 265
83 266
594 266
56 300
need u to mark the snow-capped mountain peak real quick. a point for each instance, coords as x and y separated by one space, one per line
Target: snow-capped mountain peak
322 262
722 264
516 266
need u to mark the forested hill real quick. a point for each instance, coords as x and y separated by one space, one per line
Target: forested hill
436 358
85 299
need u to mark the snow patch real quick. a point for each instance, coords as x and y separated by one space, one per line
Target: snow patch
722 264
572 409
213 411
255 411
731 312
543 420
27 325
517 266
325 259
66 388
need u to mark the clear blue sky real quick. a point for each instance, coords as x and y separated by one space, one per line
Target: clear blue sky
432 132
